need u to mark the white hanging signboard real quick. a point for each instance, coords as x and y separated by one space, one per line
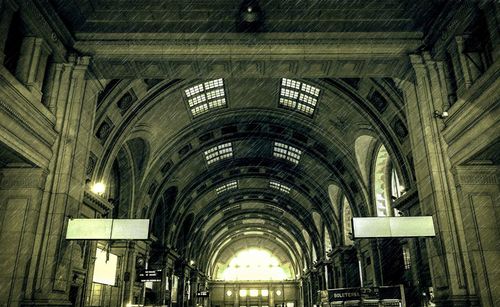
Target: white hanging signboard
390 227
108 229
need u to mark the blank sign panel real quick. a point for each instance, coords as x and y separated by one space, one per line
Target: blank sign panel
388 227
88 229
108 229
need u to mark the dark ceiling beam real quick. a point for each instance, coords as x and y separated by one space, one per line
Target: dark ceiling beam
336 55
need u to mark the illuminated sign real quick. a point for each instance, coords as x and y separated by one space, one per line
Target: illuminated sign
149 275
365 293
202 294
108 229
388 227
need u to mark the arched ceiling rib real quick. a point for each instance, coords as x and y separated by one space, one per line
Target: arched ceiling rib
248 208
221 235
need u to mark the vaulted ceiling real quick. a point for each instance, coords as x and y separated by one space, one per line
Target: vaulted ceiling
148 54
253 190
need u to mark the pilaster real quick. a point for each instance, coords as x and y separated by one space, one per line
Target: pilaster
65 186
20 196
479 193
450 266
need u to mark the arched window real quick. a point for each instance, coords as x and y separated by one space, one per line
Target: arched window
347 222
382 202
386 183
328 241
397 189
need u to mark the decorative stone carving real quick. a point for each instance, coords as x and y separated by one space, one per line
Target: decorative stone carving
91 164
477 175
126 101
399 128
152 82
378 101
104 130
152 188
166 167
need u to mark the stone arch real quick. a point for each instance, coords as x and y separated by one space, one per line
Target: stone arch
159 213
122 184
183 234
334 195
140 151
363 147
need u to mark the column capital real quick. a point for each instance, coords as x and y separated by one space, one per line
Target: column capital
416 59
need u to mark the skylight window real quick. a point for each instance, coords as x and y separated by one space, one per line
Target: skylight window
284 151
279 186
219 152
206 96
227 186
298 96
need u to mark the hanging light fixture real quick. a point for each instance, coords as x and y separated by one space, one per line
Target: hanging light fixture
250 16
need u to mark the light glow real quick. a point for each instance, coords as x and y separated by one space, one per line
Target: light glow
99 188
206 96
216 153
298 96
227 186
254 264
287 152
279 186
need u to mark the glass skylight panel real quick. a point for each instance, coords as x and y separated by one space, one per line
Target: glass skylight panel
219 152
206 96
227 186
284 151
279 186
298 96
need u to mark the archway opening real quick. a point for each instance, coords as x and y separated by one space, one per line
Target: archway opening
255 264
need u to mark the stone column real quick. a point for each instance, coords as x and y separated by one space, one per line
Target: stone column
128 285
271 296
450 265
479 195
75 108
20 197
